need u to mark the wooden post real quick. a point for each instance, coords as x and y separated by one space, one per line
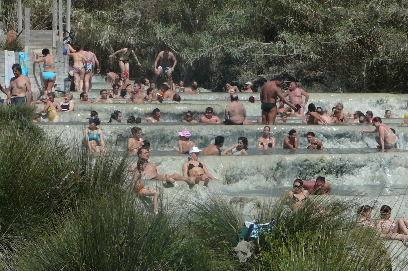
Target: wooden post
68 16
54 23
20 17
60 26
27 27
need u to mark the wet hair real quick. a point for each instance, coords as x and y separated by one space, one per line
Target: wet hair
393 130
340 105
137 83
135 130
189 112
251 99
176 98
370 113
94 113
139 151
244 141
149 90
45 51
138 120
102 90
146 144
234 97
114 116
131 119
364 209
298 181
311 107
82 94
194 86
387 111
218 140
16 67
165 87
291 132
321 178
362 119
94 120
208 109
385 209
155 111
310 134
159 98
123 93
278 78
267 127
377 119
115 85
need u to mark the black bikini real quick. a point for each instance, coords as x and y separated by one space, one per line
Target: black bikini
190 166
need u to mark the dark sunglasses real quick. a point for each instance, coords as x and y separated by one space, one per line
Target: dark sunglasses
297 186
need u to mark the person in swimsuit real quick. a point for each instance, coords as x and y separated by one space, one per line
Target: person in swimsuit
94 137
195 168
266 141
20 88
49 75
314 144
125 58
297 197
67 105
238 149
312 117
78 68
269 93
388 114
365 213
116 117
214 149
84 98
338 115
389 227
386 139
163 63
91 65
184 143
135 142
50 109
291 142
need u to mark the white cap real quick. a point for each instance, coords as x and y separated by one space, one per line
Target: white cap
248 83
194 149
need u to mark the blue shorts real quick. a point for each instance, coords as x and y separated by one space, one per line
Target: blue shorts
49 75
18 100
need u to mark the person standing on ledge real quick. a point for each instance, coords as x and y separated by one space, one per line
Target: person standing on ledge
20 88
269 93
49 74
163 63
125 58
295 96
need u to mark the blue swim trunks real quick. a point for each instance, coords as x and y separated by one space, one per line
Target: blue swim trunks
49 75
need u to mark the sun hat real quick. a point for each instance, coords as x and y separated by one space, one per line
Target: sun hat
194 149
185 134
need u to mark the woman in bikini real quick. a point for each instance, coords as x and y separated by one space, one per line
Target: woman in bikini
389 227
238 149
266 141
298 196
94 136
195 168
338 115
365 213
91 62
125 58
79 70
50 109
67 105
48 75
386 139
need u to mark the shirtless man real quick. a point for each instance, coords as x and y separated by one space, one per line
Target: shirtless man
324 115
248 87
168 93
320 187
189 118
314 144
163 63
135 142
208 117
20 88
155 116
214 149
295 96
193 89
137 95
269 93
291 142
104 97
235 112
